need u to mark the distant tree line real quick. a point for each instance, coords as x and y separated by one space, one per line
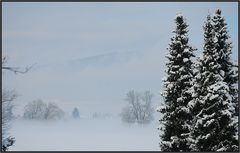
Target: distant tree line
99 115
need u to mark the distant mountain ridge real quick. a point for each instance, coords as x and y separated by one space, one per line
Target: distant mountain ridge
96 61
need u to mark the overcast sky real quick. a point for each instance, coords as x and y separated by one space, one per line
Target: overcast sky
90 54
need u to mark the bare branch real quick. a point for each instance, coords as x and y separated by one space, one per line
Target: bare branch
17 70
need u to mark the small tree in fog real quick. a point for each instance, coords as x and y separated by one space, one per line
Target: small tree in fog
75 113
139 109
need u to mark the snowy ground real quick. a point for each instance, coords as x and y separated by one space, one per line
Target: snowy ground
84 134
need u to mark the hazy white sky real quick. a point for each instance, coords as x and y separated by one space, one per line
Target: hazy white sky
90 54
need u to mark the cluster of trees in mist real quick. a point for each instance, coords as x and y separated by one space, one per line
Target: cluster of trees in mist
200 111
139 108
39 110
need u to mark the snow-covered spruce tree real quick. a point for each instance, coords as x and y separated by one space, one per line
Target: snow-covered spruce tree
229 70
176 119
75 113
212 106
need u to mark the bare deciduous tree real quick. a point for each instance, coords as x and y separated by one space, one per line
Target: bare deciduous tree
35 110
139 109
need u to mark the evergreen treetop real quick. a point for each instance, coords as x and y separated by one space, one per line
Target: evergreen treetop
176 116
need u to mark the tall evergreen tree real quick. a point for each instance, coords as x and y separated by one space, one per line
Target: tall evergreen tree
212 105
229 70
176 116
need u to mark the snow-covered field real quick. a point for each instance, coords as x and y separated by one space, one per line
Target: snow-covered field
84 134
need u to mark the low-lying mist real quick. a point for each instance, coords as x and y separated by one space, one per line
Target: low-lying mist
85 133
